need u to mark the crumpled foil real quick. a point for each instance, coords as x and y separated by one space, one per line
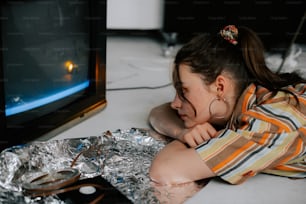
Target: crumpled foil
122 157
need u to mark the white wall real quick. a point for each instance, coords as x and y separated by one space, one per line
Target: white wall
135 14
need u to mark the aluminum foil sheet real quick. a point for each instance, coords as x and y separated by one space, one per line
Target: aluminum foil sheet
122 157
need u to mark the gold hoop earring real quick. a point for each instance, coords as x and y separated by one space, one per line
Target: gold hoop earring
218 99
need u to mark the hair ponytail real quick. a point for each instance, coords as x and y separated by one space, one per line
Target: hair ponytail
253 55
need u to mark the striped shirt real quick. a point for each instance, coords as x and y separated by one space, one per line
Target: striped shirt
264 135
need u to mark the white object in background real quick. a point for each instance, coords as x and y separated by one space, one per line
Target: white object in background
274 61
135 14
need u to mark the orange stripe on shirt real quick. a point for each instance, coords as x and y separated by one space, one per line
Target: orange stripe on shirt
302 130
265 137
232 156
274 121
298 150
247 97
244 118
285 168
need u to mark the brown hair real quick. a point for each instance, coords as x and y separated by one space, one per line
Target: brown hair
211 55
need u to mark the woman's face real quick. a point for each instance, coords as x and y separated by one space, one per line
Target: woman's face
197 93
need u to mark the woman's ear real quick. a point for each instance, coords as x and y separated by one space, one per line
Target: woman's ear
225 86
221 83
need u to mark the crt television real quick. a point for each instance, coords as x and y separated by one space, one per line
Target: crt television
52 66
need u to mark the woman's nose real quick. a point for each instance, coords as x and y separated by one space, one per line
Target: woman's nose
176 103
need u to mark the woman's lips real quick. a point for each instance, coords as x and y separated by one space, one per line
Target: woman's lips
182 116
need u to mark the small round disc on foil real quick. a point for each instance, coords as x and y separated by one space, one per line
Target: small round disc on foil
87 190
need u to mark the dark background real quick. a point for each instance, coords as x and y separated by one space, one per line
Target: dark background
275 21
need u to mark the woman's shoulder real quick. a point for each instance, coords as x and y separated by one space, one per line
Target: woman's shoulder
257 96
280 109
299 89
262 94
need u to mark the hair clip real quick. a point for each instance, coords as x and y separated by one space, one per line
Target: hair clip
230 33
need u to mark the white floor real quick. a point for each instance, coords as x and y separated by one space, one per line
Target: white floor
139 62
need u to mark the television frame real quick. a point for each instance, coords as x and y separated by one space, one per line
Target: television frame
91 101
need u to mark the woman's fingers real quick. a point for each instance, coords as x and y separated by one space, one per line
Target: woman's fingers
199 134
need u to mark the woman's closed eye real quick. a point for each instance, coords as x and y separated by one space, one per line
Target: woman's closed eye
184 90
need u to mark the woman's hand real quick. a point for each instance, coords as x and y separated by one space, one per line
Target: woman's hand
197 134
165 121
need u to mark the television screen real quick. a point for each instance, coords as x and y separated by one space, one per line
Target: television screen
52 65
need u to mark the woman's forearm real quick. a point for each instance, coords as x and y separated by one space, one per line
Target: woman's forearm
165 121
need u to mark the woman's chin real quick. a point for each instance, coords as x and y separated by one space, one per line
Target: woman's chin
189 124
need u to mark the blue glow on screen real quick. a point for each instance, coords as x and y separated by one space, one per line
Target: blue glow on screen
46 100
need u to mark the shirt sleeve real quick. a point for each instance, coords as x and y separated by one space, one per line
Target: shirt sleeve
237 155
